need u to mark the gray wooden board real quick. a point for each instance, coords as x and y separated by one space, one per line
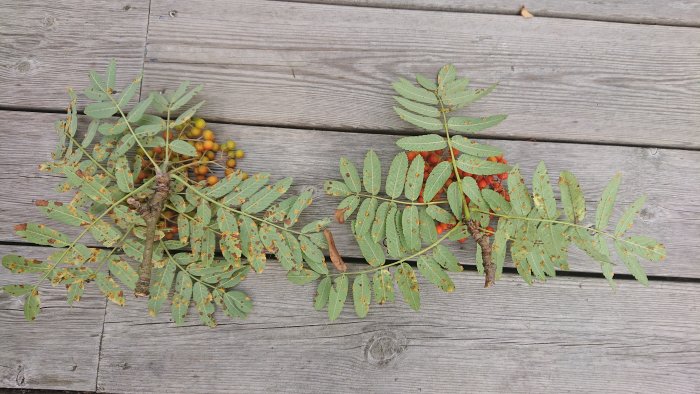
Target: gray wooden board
49 46
60 349
324 66
676 12
311 157
573 334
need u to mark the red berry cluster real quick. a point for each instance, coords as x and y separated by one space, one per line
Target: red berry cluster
494 182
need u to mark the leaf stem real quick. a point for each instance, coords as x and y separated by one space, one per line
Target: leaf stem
420 252
92 159
217 203
360 194
443 111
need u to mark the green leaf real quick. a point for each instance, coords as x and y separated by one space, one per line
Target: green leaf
203 301
383 286
323 291
465 124
378 229
426 142
464 145
361 294
372 173
572 197
428 233
183 148
110 288
365 216
499 246
440 214
187 115
496 202
139 109
302 202
161 282
66 214
393 241
477 166
425 82
446 74
424 122
348 205
315 226
414 178
519 195
302 276
181 297
411 92
459 97
436 180
100 110
337 296
17 290
542 193
420 109
32 304
251 245
435 274
125 178
245 189
124 272
224 186
410 223
128 93
266 196
455 199
41 235
627 219
631 263
446 259
182 99
471 189
237 304
349 173
313 255
335 188
606 203
645 247
237 277
396 177
408 285
372 251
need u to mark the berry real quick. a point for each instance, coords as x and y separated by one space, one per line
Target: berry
244 176
411 155
212 180
216 147
208 135
231 163
239 154
503 176
202 170
208 145
482 183
199 146
230 145
489 231
229 171
211 155
199 123
195 132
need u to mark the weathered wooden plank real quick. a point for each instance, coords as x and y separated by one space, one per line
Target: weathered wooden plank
325 66
60 349
49 46
676 12
311 157
574 334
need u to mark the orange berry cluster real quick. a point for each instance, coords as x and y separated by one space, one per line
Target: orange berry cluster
196 133
494 182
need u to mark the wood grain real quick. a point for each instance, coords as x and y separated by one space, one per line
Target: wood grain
60 349
49 46
330 67
676 12
571 335
311 157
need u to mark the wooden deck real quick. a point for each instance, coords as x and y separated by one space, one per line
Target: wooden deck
590 86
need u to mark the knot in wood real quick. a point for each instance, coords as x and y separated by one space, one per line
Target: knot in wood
385 347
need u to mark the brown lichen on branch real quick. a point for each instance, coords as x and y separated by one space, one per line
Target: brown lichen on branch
483 241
